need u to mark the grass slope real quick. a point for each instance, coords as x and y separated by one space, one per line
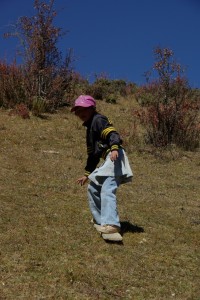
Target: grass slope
49 249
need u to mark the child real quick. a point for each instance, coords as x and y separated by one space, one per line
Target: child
103 141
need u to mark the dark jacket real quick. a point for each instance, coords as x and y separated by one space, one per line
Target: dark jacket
101 138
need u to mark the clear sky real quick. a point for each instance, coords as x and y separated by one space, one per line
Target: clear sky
117 37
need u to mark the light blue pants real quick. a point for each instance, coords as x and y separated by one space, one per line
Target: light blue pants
103 202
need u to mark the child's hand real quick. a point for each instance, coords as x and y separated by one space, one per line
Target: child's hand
82 180
114 155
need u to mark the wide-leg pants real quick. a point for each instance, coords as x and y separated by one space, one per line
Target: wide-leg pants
103 201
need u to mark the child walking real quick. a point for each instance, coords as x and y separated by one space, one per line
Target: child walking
103 141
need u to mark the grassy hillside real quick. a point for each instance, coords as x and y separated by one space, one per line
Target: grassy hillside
49 249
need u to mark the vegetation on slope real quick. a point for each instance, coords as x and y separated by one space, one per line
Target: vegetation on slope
50 250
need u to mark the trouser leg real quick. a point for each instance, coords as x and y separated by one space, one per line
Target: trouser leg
109 212
94 198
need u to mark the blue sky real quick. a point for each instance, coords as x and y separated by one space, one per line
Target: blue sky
116 37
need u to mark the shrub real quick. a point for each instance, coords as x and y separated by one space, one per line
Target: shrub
21 110
43 75
12 85
38 106
100 89
169 109
110 90
77 85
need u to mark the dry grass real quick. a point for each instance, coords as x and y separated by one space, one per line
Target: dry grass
49 249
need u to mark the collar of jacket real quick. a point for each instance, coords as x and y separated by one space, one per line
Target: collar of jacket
89 122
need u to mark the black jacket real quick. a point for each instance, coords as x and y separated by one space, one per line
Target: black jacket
101 138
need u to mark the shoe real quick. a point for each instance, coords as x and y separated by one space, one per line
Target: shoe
113 237
107 228
109 232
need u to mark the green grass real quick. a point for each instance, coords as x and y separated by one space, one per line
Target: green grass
49 249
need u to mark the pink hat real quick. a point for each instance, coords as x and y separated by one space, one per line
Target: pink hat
83 101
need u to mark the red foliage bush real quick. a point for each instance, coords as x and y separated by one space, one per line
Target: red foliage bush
12 85
169 112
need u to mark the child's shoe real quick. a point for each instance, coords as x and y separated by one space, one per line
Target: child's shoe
107 228
109 232
113 237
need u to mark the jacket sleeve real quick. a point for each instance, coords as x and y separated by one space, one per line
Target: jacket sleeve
92 162
109 133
